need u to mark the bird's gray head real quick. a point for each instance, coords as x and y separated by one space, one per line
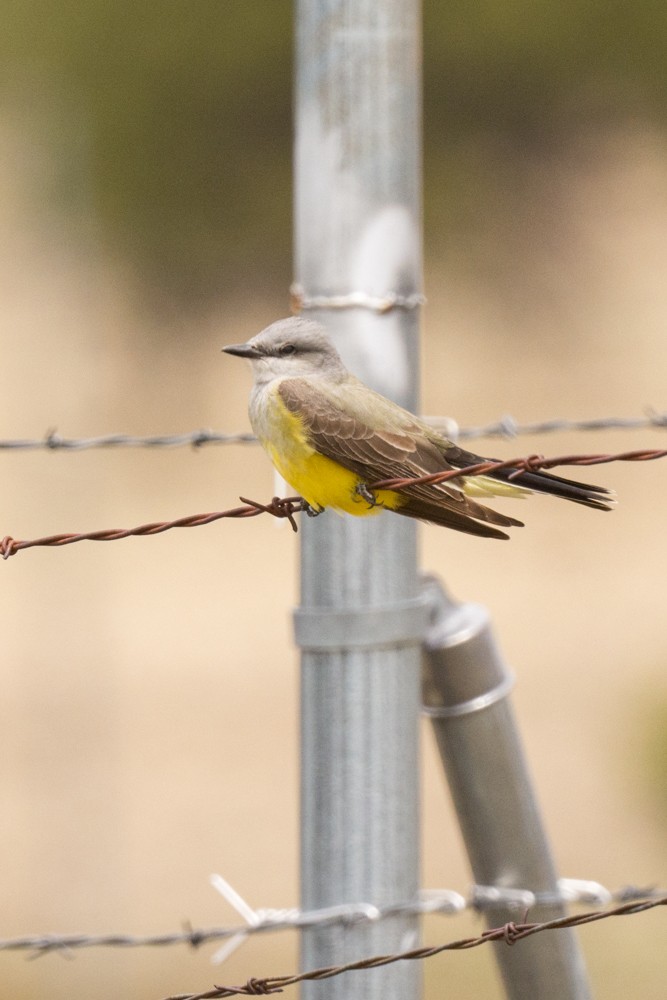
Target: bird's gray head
291 348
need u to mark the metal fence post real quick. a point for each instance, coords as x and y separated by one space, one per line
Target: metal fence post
362 618
466 690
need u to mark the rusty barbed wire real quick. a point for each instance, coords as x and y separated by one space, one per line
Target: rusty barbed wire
285 507
289 506
506 427
531 463
438 902
511 933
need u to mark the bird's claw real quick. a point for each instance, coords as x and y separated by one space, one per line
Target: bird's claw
363 491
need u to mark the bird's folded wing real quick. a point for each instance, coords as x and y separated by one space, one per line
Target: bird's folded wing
376 453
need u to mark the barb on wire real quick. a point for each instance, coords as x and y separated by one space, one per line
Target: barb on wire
510 933
506 427
289 506
442 902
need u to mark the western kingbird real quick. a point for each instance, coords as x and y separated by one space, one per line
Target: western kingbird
331 438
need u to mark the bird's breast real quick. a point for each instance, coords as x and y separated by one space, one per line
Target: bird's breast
321 480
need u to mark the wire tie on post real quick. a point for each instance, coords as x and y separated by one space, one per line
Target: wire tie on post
340 913
577 890
300 300
441 901
489 897
254 918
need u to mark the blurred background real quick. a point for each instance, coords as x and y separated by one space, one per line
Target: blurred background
149 703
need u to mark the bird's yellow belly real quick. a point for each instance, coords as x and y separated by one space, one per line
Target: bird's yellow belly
318 479
325 483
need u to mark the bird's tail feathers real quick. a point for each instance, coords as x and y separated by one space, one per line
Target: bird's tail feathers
539 482
596 497
474 520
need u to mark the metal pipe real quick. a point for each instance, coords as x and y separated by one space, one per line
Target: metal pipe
466 689
362 618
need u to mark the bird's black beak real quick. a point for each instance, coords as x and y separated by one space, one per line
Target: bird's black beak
242 350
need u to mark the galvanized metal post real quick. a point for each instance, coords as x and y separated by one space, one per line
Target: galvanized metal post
362 618
466 689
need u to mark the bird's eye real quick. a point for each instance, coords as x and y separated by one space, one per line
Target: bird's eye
286 350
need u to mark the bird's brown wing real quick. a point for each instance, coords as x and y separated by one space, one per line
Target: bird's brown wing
376 454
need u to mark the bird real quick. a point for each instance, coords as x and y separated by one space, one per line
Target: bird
331 437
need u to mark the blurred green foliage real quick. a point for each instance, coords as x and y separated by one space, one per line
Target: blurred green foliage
182 112
186 113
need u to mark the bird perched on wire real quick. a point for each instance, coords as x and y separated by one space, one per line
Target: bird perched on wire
331 438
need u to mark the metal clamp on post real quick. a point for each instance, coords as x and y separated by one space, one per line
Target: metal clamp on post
462 668
403 623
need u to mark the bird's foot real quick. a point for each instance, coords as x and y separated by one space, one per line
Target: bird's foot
363 491
312 511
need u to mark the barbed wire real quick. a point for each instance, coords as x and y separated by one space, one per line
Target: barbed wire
530 463
279 507
441 902
289 506
482 898
511 933
53 441
506 427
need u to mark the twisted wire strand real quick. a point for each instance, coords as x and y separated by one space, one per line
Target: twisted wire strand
506 427
289 506
511 933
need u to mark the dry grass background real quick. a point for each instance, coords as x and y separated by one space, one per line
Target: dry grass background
150 687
